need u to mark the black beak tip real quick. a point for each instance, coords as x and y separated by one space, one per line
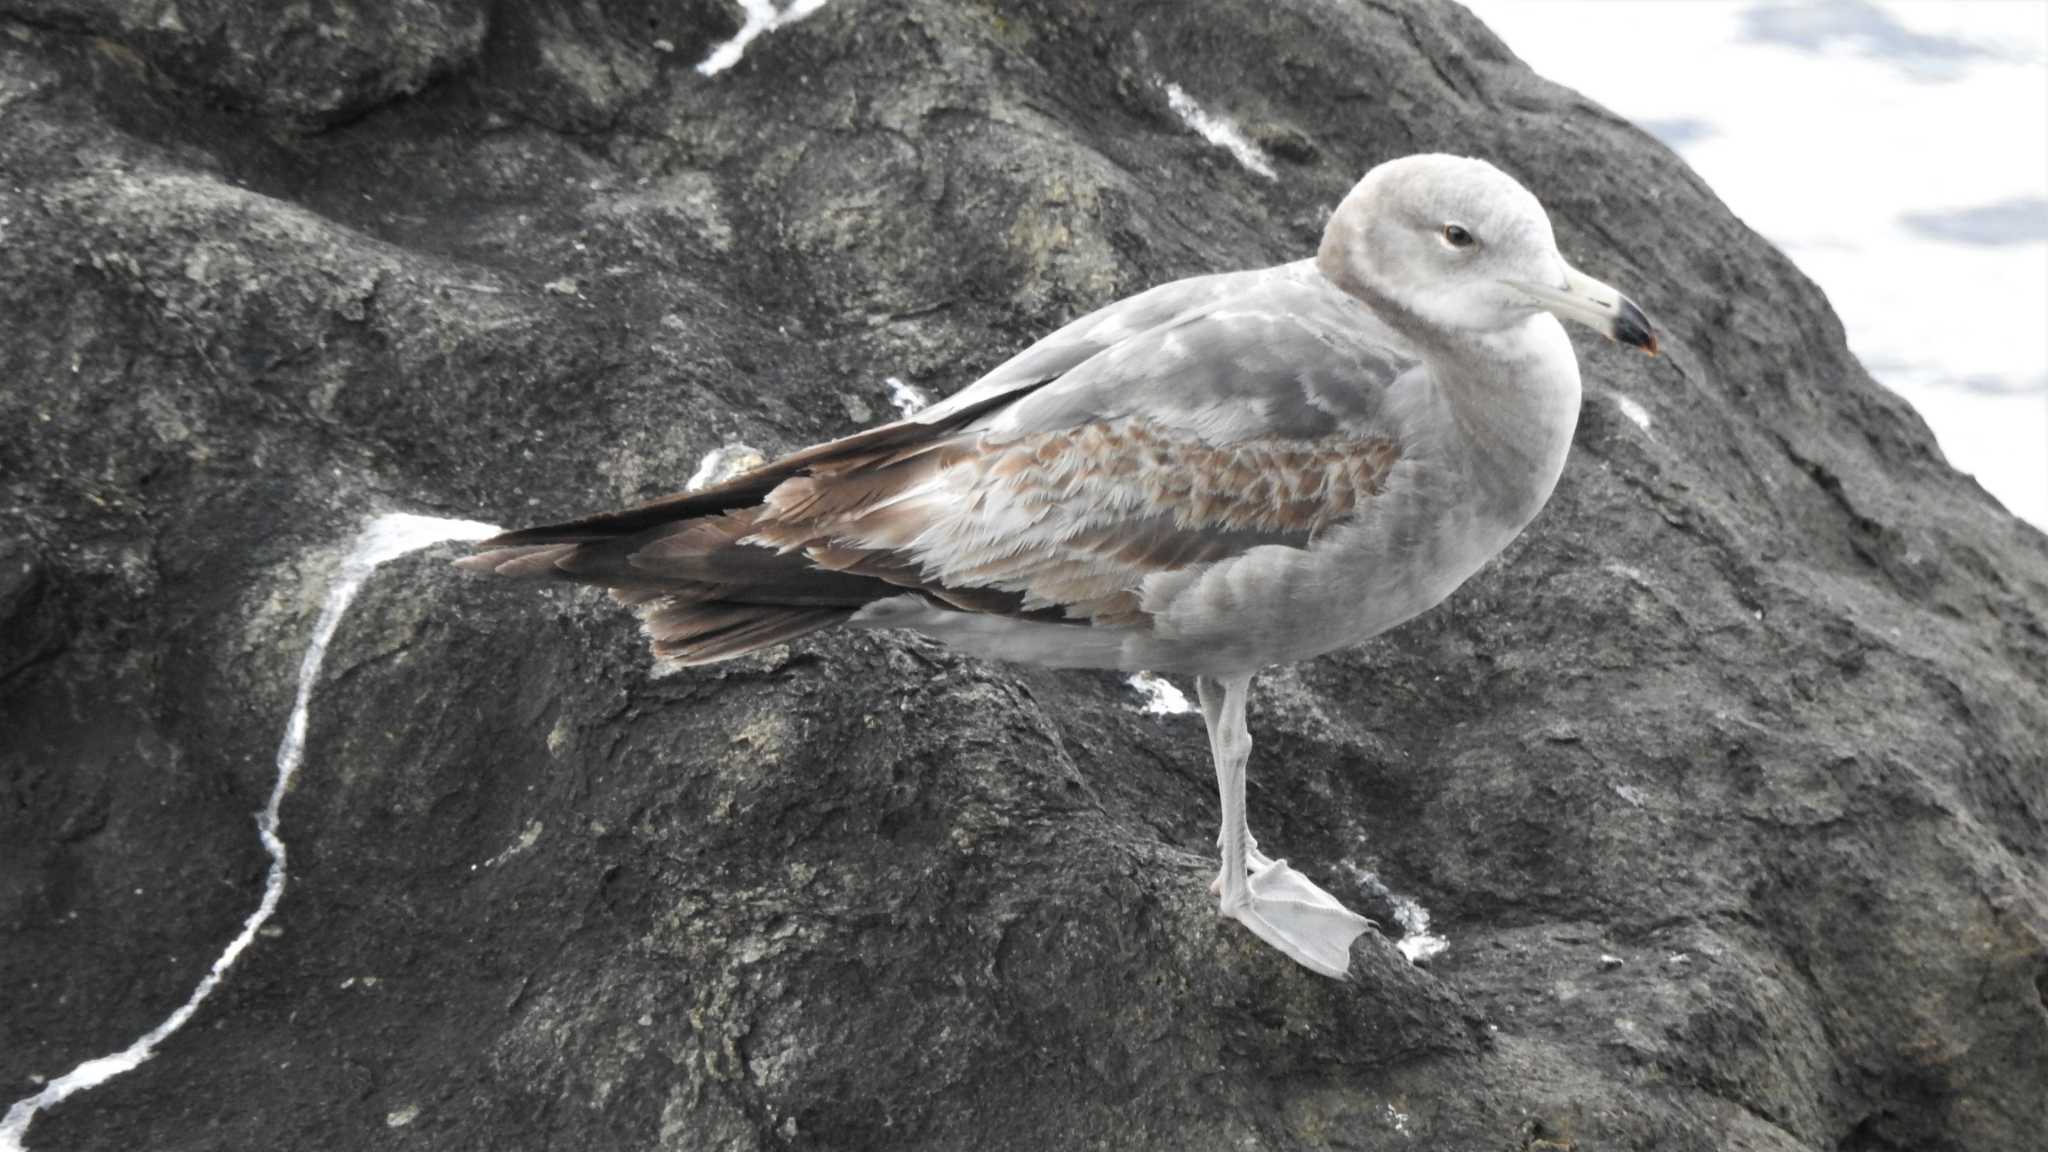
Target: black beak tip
1632 328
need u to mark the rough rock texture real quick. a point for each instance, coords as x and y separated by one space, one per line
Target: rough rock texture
1756 707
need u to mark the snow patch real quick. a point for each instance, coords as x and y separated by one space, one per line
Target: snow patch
1161 697
909 399
384 538
761 17
718 466
1220 131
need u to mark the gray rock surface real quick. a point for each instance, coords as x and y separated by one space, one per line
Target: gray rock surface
1756 707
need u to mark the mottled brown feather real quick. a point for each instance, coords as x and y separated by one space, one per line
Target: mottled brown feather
1191 503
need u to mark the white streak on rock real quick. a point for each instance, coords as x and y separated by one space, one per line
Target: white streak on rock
1220 131
1161 697
720 465
761 17
528 837
1417 941
1633 411
384 538
909 399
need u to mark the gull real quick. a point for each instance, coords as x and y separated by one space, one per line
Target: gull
1211 477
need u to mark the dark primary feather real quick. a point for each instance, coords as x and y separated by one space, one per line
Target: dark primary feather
701 594
750 486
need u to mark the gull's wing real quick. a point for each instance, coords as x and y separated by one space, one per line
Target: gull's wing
1182 427
1079 341
1047 360
1278 353
1255 419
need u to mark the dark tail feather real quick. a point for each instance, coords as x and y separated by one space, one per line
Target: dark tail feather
701 594
694 634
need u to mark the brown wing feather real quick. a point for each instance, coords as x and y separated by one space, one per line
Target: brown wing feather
1069 523
702 594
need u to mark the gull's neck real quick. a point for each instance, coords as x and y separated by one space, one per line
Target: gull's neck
1513 396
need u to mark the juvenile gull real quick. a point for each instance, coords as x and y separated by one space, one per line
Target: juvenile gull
1210 477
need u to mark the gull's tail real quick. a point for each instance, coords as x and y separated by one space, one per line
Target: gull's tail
690 622
726 570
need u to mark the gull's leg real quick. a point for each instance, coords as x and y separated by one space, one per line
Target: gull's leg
1210 693
1230 745
1274 901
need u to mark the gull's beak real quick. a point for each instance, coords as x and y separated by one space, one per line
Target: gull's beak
1595 305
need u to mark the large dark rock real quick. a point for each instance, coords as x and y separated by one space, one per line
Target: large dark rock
304 64
1756 707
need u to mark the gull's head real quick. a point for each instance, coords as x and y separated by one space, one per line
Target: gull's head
1451 244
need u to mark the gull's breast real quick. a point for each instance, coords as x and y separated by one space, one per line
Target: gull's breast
1464 487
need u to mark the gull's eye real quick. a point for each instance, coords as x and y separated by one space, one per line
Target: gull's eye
1456 236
